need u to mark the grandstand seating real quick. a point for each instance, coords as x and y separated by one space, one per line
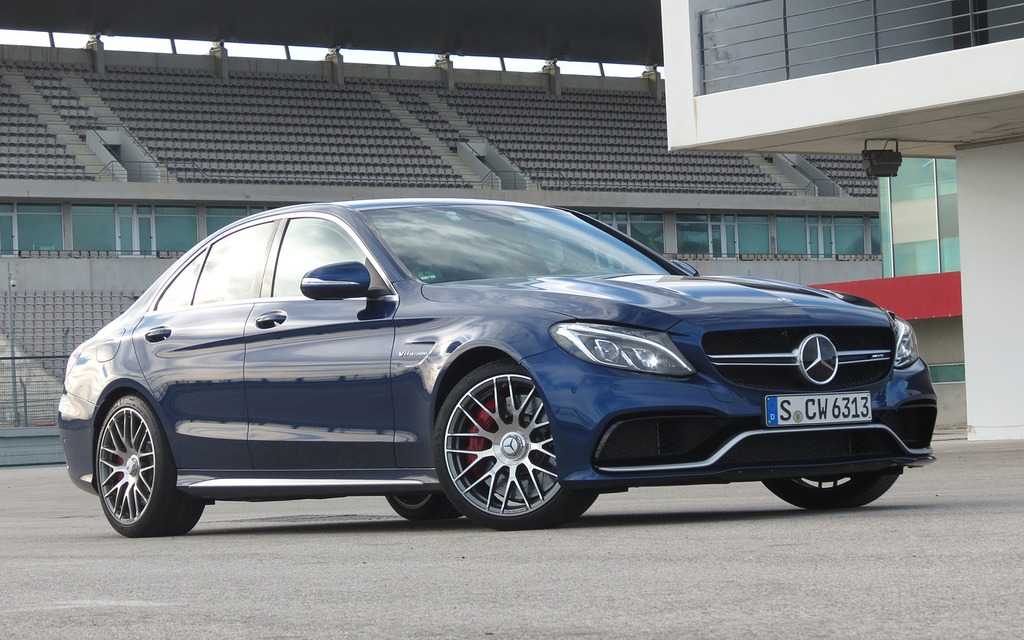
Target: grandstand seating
848 173
278 128
53 323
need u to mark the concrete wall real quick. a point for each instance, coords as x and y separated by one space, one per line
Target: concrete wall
85 274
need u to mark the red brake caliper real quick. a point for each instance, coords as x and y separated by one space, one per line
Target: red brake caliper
480 444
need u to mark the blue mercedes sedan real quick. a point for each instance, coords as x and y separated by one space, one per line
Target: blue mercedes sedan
504 362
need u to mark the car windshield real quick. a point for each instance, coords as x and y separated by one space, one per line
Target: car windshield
450 243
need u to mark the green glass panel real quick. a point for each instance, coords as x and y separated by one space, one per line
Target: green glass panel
791 235
914 225
949 223
175 233
6 207
884 227
92 208
692 238
145 236
753 234
6 233
35 207
40 232
849 236
649 229
94 232
876 237
126 235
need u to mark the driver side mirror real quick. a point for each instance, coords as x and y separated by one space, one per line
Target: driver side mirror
336 281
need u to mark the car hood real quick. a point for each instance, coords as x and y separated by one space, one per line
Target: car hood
681 303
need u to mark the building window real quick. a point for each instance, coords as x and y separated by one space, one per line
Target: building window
919 228
39 227
692 234
791 235
219 217
6 228
175 227
647 228
753 235
94 227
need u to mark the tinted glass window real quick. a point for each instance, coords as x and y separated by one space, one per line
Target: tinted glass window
234 266
470 242
179 293
310 243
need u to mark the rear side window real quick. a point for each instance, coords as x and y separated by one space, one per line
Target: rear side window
310 243
234 266
179 293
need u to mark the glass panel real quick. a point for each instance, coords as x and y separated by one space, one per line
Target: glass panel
93 227
235 265
791 235
649 229
40 232
6 207
50 207
220 217
126 235
310 243
175 228
949 223
876 237
885 226
716 240
145 235
6 233
849 236
914 224
692 234
753 234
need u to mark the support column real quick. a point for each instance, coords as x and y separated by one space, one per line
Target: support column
95 49
334 67
990 193
219 54
554 77
445 66
655 85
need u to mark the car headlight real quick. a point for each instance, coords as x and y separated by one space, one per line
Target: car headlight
906 343
622 347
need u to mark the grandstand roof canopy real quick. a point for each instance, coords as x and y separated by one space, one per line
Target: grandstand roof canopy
620 31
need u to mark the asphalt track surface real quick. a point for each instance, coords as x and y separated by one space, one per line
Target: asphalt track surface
939 556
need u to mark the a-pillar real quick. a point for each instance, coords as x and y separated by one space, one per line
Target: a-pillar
95 49
219 55
444 65
554 77
334 67
990 197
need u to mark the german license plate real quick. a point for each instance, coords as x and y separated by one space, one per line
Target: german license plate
822 408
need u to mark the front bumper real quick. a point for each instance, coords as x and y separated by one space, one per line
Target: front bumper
617 429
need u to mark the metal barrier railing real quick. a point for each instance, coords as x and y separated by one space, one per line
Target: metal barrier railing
771 40
30 388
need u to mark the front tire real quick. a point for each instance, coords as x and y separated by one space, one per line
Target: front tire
495 453
136 476
841 492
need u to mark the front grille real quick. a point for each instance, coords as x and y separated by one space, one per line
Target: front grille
812 447
760 370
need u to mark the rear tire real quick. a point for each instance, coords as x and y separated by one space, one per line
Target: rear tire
136 475
834 492
423 506
495 453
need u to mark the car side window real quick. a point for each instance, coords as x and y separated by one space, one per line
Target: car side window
179 293
310 243
234 266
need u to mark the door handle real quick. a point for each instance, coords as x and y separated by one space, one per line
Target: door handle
271 319
159 334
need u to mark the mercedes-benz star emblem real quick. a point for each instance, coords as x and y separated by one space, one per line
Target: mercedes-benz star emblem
818 359
511 446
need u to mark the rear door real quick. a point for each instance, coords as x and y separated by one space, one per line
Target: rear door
191 350
317 372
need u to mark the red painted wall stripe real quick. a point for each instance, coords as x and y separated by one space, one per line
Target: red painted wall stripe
935 295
